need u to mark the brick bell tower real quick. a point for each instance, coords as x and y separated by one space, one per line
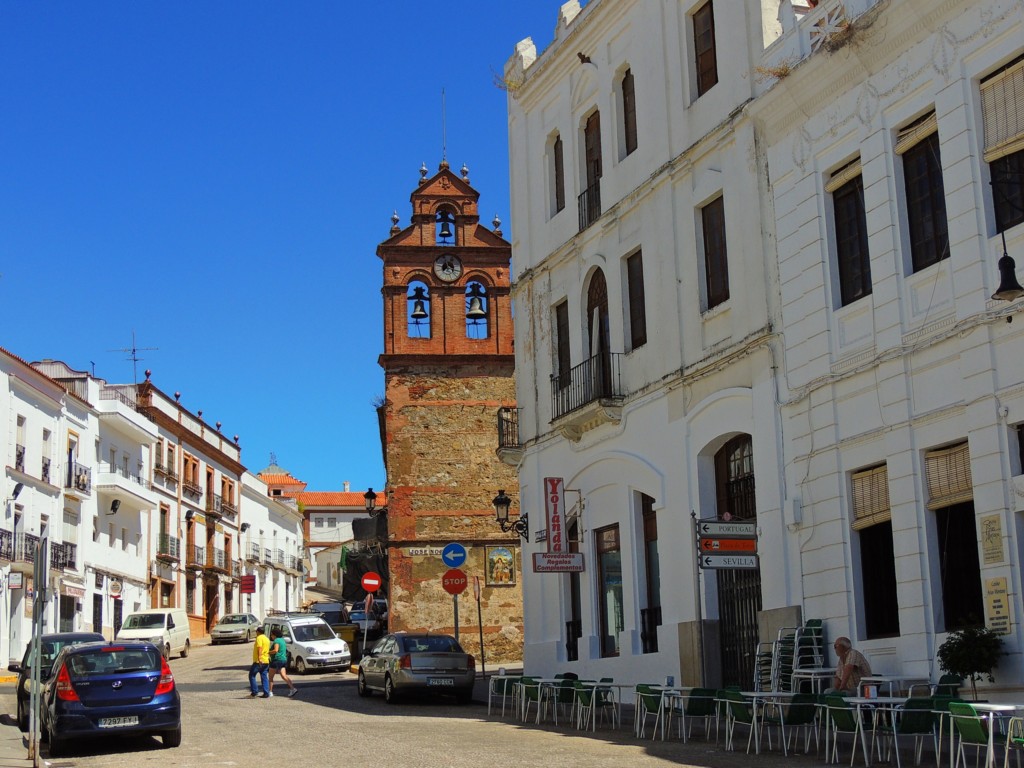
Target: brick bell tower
448 367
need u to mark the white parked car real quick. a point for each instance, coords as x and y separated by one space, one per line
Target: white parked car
234 628
311 642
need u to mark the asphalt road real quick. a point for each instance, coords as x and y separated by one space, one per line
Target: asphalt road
327 724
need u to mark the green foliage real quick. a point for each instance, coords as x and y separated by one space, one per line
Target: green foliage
971 654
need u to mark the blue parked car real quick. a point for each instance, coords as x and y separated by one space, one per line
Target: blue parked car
106 689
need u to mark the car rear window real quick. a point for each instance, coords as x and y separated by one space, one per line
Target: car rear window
104 661
144 621
438 644
305 633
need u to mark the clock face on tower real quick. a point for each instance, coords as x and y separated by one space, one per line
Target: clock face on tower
448 268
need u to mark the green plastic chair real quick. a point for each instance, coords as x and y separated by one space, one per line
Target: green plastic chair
648 705
740 711
502 687
802 712
915 719
1014 740
700 704
972 730
564 694
842 718
948 685
533 693
940 708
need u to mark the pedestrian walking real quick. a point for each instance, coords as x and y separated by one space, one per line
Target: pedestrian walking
279 661
260 665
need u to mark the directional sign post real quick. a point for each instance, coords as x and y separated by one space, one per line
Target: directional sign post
453 555
728 561
727 544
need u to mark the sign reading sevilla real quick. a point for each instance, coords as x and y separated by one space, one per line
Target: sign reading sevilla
554 508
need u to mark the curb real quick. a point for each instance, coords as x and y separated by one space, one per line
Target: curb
8 679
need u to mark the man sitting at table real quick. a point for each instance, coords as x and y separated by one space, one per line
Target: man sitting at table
851 667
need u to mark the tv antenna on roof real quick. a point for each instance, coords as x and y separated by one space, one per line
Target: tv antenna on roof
134 350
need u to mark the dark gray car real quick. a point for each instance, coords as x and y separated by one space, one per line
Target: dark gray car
51 645
403 663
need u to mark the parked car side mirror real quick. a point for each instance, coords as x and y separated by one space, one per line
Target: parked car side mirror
14 667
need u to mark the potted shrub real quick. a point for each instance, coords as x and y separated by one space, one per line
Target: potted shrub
971 654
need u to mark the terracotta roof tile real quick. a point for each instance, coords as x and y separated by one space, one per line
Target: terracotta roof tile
338 499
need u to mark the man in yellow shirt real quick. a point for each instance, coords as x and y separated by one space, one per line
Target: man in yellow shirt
261 665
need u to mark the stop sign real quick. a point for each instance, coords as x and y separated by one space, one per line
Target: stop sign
454 581
371 581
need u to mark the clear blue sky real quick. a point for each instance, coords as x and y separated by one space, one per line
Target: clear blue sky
216 176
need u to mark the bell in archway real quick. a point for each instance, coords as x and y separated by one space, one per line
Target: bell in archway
476 309
446 225
419 304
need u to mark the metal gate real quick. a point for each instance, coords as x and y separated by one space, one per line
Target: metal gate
739 601
739 591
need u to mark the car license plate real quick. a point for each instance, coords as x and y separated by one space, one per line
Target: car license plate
118 722
440 681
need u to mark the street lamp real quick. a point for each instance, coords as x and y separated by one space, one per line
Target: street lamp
521 525
1009 289
370 499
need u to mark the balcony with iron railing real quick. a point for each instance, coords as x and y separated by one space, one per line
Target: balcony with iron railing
192 488
6 545
268 557
253 553
25 548
165 471
228 507
279 557
589 395
196 556
44 474
216 559
589 203
509 449
79 478
236 568
19 458
168 547
63 556
293 563
214 504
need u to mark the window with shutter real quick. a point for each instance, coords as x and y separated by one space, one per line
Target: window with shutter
716 263
558 173
704 48
1002 106
852 259
628 111
871 520
637 308
918 144
948 474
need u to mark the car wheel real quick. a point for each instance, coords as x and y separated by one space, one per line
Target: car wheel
361 685
171 738
300 665
464 696
248 636
186 649
390 694
22 714
57 744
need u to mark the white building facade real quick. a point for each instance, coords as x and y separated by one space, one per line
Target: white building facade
687 348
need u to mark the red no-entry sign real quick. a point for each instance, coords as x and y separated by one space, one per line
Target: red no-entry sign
371 581
454 581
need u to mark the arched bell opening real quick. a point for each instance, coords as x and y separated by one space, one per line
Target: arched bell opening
477 315
418 311
444 222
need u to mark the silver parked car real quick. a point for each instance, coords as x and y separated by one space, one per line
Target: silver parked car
234 628
403 663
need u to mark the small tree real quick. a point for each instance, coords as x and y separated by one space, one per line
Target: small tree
971 654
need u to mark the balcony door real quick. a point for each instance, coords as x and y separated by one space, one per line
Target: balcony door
600 344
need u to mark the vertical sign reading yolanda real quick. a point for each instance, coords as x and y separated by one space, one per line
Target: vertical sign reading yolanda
554 506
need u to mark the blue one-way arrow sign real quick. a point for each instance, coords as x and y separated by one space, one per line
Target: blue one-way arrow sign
453 555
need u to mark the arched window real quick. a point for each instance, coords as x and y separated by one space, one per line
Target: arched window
418 310
477 312
598 330
444 222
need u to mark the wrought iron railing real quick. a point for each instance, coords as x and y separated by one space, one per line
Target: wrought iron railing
62 556
236 568
593 379
125 396
194 488
508 427
216 559
279 557
650 620
228 507
25 547
6 545
166 471
19 458
79 477
120 471
169 546
590 205
268 557
45 474
254 552
293 562
213 503
196 555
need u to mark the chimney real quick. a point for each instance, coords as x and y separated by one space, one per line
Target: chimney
345 485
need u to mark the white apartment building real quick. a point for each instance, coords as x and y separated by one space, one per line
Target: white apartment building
689 348
272 550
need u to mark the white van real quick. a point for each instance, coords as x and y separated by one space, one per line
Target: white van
166 628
